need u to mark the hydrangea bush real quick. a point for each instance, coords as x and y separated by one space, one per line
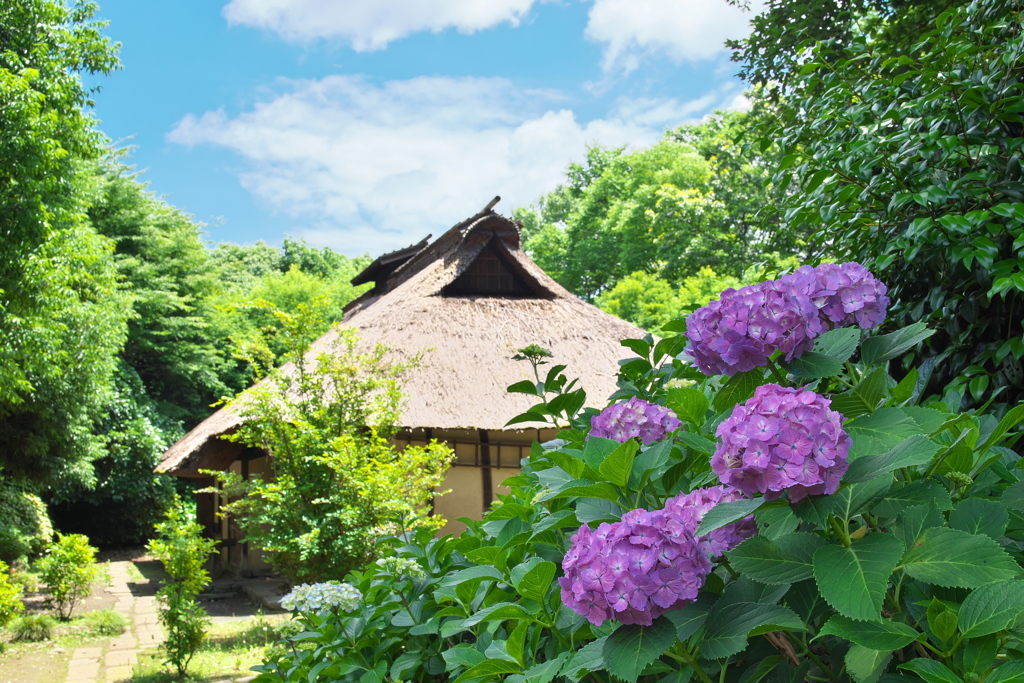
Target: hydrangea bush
770 495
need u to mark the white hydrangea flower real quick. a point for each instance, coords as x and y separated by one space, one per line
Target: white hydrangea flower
402 567
314 597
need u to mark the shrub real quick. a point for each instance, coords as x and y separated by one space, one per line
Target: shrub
105 622
183 551
68 571
27 530
10 596
33 628
613 559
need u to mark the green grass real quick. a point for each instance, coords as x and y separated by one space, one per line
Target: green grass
231 649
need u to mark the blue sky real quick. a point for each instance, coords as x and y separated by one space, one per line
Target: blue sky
363 125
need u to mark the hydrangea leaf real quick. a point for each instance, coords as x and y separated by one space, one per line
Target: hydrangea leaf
882 635
866 665
980 654
911 452
879 432
813 365
724 514
583 488
951 557
856 498
692 616
775 522
688 404
652 463
618 464
853 579
697 442
839 343
738 389
631 648
489 669
991 608
981 517
545 672
887 346
903 495
533 578
585 660
1010 672
727 629
787 559
596 449
863 398
931 671
913 521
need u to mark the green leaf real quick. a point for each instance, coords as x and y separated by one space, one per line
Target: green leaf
991 608
545 672
853 580
813 365
583 488
689 404
882 635
585 660
862 398
492 668
980 654
865 664
502 611
839 343
738 389
533 578
651 462
724 514
691 617
631 648
903 495
931 671
775 522
911 452
471 574
462 655
617 466
697 442
726 630
880 432
1012 418
787 559
815 509
1010 672
913 521
951 557
887 346
941 620
854 499
596 449
980 517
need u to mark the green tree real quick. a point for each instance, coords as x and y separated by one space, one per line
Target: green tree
910 162
62 311
324 421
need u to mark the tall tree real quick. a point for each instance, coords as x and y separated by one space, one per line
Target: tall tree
62 311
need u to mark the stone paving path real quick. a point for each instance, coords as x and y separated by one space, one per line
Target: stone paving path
115 662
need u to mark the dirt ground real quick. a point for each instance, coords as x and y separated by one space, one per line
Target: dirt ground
47 662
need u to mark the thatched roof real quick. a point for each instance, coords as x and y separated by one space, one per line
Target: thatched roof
428 297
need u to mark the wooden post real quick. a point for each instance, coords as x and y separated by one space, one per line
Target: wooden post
485 469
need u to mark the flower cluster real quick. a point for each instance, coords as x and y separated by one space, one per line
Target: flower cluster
848 294
782 439
402 567
690 508
648 422
637 569
314 597
740 330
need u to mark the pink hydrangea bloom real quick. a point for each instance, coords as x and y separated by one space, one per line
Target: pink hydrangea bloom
782 439
636 417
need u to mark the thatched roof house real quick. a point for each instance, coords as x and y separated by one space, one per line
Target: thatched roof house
472 297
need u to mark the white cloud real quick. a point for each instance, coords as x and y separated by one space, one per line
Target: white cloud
373 168
683 30
372 24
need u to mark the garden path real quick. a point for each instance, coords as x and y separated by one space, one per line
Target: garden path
136 601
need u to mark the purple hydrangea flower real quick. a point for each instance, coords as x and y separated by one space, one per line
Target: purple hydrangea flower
782 440
689 509
848 294
633 570
745 326
648 422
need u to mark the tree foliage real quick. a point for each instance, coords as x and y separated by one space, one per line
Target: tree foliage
688 202
910 160
324 421
62 311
